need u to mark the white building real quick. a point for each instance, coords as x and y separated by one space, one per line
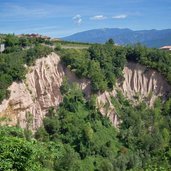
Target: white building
166 48
2 47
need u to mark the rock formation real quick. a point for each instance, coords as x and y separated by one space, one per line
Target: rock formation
141 83
30 100
104 103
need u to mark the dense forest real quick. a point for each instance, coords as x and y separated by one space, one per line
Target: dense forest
102 64
76 137
107 62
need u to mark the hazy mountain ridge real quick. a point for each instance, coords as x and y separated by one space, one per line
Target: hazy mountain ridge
151 38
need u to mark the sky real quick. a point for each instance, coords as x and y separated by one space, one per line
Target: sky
60 18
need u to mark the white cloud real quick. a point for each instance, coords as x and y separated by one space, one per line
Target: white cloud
77 19
98 17
123 16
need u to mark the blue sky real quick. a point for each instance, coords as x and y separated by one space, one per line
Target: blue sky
58 18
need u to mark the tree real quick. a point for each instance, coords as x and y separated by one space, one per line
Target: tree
24 42
15 154
58 47
110 42
11 40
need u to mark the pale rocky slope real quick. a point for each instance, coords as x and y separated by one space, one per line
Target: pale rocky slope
30 100
141 83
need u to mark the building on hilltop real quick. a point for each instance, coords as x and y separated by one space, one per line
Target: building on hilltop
33 35
166 48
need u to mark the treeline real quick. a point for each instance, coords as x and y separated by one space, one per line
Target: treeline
102 64
16 44
152 58
12 66
63 42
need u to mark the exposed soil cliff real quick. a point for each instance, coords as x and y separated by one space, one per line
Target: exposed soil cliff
30 100
106 107
141 83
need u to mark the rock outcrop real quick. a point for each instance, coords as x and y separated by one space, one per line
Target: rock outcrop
105 106
143 84
138 84
30 100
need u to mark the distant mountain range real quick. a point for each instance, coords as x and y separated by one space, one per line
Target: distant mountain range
150 38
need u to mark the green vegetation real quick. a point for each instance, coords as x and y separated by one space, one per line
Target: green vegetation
102 64
17 153
142 142
71 45
62 42
13 59
145 134
16 44
77 137
153 58
37 52
89 136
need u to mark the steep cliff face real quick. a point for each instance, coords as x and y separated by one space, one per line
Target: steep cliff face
141 83
105 106
35 94
30 100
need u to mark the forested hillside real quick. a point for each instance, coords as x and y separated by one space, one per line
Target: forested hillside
75 136
78 137
102 64
109 60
